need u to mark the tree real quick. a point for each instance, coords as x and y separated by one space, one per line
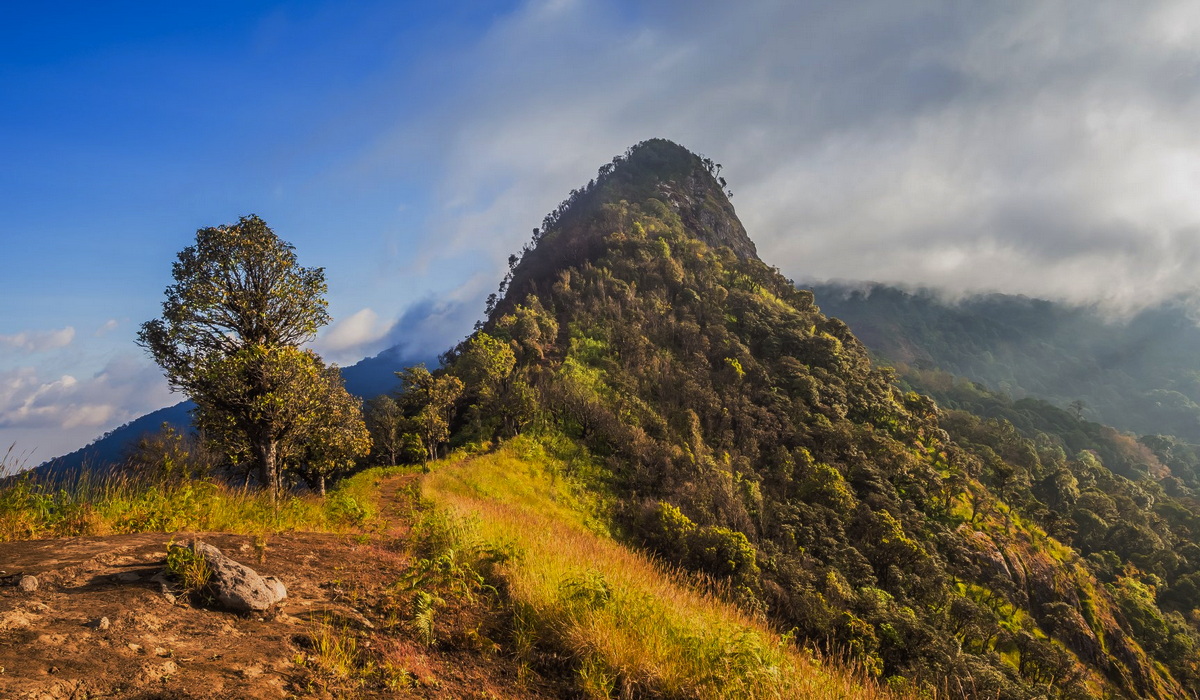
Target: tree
337 435
486 367
386 422
429 401
229 338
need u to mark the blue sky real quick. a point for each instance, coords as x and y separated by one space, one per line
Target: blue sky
1046 148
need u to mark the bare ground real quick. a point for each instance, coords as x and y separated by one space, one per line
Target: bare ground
53 644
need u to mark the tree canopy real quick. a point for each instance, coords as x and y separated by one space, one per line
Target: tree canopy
229 338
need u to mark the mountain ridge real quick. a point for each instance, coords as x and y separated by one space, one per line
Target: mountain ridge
747 436
1138 373
367 378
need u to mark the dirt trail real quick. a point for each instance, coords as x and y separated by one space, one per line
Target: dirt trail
53 644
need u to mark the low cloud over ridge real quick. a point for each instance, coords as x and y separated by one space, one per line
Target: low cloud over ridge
1038 148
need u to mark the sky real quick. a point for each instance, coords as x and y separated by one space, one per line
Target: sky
1039 147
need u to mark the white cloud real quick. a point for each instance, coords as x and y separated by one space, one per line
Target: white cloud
30 342
125 388
1040 148
353 337
108 326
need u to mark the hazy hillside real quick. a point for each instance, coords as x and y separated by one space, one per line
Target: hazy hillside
1140 374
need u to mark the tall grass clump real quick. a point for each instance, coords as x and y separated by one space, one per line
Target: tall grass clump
90 503
629 626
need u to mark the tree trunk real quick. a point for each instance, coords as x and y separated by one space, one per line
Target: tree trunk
268 469
321 477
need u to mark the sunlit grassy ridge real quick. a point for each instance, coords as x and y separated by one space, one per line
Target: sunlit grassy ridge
630 627
116 504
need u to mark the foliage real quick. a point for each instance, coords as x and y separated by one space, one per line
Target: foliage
385 423
228 338
744 435
98 504
1137 373
189 569
335 437
169 454
428 402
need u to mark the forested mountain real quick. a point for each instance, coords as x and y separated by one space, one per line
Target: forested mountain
748 436
1140 374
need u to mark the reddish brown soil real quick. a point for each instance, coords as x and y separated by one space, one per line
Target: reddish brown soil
51 645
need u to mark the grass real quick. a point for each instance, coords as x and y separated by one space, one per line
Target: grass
522 530
119 503
191 569
626 625
343 666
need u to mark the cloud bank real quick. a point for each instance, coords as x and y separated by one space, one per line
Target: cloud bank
64 412
1027 147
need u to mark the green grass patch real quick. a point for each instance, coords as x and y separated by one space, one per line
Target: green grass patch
114 504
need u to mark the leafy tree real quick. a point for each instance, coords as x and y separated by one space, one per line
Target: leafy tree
229 335
386 422
486 366
336 436
430 403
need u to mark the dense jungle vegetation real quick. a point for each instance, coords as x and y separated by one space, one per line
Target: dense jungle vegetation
961 543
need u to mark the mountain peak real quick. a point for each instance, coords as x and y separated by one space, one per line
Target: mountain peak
689 184
655 175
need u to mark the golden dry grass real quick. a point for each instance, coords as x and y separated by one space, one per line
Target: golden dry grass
630 627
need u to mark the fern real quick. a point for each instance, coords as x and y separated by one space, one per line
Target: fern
424 605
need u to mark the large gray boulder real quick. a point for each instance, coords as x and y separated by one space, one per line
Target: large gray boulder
236 586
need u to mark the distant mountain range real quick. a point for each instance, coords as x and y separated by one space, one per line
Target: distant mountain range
1140 374
366 379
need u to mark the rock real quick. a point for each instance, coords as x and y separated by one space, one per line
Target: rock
103 624
277 587
237 586
27 583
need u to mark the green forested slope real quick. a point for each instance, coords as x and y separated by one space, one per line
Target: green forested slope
748 436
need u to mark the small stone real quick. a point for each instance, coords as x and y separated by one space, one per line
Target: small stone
103 624
27 583
159 651
135 648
